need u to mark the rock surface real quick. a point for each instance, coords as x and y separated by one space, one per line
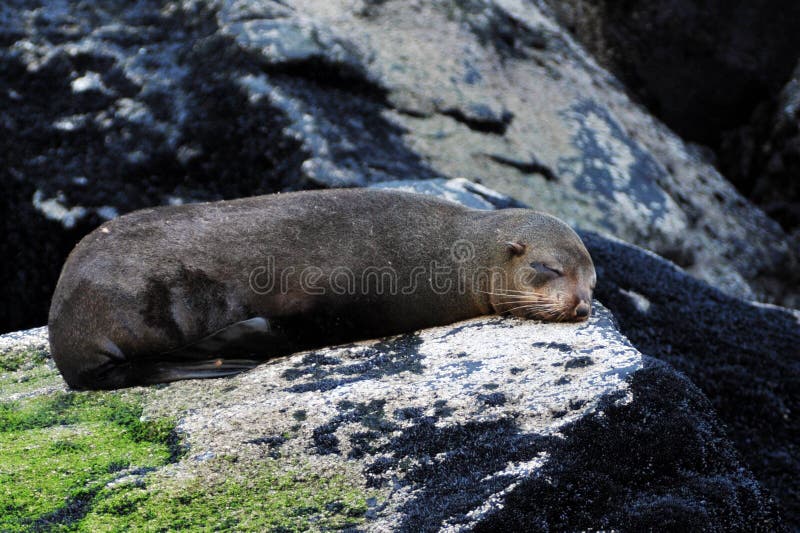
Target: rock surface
105 109
718 74
493 422
745 356
763 156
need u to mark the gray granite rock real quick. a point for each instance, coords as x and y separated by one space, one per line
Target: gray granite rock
442 422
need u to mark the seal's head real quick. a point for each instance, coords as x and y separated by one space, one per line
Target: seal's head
549 274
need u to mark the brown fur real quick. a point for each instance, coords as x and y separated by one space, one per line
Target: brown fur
135 294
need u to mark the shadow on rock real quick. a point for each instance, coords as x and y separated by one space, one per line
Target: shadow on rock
659 460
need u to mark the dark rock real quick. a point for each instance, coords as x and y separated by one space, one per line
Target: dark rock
744 356
702 67
659 460
763 157
579 362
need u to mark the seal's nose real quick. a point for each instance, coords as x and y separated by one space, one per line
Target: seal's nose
582 310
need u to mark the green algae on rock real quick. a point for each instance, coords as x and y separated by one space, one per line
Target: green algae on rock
58 450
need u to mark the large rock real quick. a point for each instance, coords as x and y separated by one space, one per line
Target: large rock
488 423
718 74
763 156
104 109
745 356
653 463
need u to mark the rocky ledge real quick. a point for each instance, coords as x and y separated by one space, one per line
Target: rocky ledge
493 422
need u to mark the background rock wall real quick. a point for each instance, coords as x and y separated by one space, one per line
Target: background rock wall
105 108
721 74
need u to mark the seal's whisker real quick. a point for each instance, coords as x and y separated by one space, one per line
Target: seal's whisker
537 300
533 303
528 294
506 294
525 299
512 291
532 308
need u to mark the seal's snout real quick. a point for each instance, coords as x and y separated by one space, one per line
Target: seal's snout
582 311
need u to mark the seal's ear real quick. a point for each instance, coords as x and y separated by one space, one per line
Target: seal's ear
516 248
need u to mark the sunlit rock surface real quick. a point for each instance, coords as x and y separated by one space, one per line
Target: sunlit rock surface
492 422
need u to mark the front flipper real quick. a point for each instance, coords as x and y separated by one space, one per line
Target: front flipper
248 337
228 351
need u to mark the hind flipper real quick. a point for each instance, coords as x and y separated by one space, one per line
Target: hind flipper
245 337
228 351
166 371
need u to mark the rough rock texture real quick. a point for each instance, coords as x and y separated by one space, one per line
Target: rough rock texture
438 421
110 107
744 356
716 73
763 157
487 423
668 427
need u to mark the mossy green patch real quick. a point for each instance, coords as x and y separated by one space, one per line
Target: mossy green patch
60 451
272 498
57 451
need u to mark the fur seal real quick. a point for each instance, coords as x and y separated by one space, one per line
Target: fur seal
212 289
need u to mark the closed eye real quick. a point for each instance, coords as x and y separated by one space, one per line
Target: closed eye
541 268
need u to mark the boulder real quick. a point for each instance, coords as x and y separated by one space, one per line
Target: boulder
718 74
745 356
763 156
702 67
489 423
